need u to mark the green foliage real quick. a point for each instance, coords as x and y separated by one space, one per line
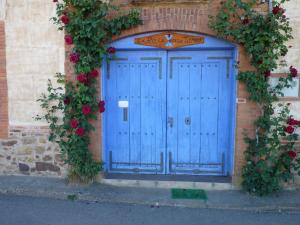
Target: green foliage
269 156
91 25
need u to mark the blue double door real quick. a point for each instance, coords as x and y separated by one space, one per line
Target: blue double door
169 112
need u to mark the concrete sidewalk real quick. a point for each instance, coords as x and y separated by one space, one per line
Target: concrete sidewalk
59 189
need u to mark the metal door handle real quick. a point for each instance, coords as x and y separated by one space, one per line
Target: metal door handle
170 121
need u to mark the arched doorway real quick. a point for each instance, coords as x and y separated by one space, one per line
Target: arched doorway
170 111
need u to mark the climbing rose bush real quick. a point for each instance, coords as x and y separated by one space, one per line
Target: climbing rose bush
88 25
271 158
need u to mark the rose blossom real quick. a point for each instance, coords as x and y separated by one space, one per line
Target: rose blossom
68 39
82 78
94 73
67 100
80 131
65 19
74 123
267 73
289 129
292 154
293 122
101 106
86 109
293 71
277 10
111 50
246 21
74 57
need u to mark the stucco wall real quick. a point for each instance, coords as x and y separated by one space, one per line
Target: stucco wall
293 56
35 52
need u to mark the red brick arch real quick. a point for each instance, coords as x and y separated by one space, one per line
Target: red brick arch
187 18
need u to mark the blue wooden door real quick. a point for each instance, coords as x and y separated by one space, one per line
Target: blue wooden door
169 112
136 111
199 112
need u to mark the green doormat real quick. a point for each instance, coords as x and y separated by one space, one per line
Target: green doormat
178 193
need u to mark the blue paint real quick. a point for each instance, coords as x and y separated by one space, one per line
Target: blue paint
180 118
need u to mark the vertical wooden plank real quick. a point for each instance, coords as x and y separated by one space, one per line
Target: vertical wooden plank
172 111
135 112
209 113
146 115
123 82
195 112
183 151
111 112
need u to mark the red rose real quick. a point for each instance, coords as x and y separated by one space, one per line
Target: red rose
246 21
111 50
74 57
55 0
80 131
292 154
101 106
74 123
289 129
86 109
67 100
259 62
82 78
68 39
65 19
293 122
277 10
293 71
94 73
267 73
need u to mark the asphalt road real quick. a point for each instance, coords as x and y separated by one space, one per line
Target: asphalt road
15 210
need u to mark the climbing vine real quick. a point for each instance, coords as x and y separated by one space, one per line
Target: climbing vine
89 25
271 158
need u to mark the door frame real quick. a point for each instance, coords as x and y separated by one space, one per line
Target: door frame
211 43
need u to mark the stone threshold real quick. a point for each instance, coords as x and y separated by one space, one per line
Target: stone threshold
168 181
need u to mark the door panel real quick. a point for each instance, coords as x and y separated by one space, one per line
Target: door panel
198 98
135 135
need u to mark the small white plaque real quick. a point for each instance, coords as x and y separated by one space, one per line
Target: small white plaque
123 104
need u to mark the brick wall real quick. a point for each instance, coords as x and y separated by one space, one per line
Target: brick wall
3 85
191 18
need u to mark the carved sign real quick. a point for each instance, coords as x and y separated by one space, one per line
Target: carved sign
169 40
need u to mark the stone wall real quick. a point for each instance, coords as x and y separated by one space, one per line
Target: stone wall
27 151
34 53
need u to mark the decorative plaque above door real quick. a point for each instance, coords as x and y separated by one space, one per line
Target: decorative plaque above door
169 40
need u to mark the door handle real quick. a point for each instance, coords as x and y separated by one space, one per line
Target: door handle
170 121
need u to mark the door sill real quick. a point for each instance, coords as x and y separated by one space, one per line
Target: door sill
168 181
160 177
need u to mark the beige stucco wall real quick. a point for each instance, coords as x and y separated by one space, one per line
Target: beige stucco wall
35 52
293 57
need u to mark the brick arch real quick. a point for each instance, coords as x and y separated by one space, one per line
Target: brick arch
195 20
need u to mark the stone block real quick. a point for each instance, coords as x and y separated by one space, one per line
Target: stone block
29 140
23 167
39 149
9 143
24 150
47 158
43 166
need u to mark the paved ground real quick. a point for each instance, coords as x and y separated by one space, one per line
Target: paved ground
18 210
58 189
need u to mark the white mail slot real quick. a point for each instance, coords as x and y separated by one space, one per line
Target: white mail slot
123 104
